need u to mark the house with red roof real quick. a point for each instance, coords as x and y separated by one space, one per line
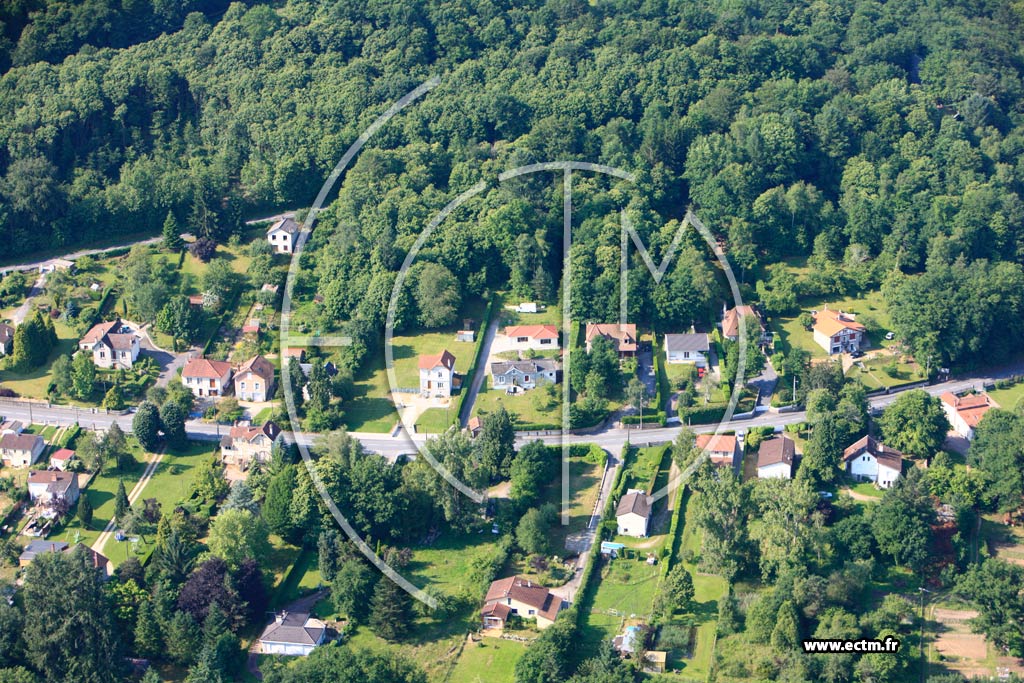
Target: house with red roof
838 332
731 321
60 458
437 374
722 449
965 412
522 597
623 336
207 378
537 337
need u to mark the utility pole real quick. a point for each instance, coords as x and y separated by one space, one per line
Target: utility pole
922 590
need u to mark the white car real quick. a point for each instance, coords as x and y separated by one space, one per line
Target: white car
890 336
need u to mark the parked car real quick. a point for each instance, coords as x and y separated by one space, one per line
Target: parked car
890 335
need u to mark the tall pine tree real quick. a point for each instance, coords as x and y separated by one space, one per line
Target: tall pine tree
172 234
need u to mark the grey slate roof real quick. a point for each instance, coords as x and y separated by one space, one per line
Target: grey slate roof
529 367
636 503
779 448
294 629
687 342
287 224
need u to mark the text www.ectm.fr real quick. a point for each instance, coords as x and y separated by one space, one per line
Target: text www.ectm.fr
890 645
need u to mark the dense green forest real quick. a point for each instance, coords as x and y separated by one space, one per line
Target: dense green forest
877 138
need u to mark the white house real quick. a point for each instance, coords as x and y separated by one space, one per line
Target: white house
687 348
633 514
523 373
21 450
254 380
522 597
47 486
282 235
775 458
292 633
837 332
112 344
437 373
246 443
537 337
205 377
870 460
722 449
116 351
60 458
965 412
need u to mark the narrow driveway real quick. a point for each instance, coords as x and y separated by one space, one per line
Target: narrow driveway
481 370
168 361
765 383
133 495
581 543
20 313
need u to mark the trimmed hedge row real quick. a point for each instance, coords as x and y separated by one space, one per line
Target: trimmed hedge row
467 379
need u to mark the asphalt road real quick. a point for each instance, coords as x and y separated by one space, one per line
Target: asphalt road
610 439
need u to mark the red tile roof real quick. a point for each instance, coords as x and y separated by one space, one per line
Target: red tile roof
444 358
99 330
717 444
971 407
832 322
532 331
62 454
525 591
624 335
731 320
259 366
206 368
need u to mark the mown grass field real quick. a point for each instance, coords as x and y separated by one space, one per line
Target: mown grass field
491 660
530 407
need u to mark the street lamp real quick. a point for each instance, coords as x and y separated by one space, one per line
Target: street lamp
922 590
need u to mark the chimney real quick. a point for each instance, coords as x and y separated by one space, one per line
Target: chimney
279 617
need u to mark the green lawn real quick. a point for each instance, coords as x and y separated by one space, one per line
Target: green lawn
584 487
34 383
101 492
296 571
876 376
170 484
789 333
436 420
551 314
642 466
447 564
531 407
492 660
371 410
708 590
625 587
1011 398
